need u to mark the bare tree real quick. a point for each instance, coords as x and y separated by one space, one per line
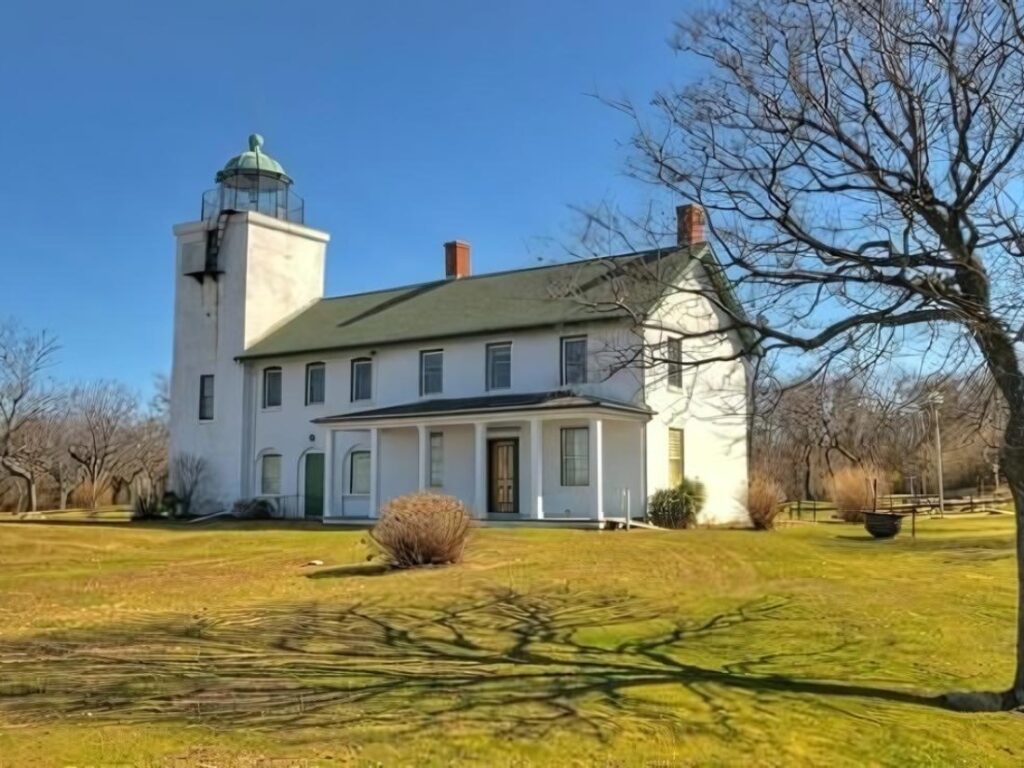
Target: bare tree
188 472
25 396
104 413
860 163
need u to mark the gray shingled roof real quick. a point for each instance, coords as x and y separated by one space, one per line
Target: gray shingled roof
561 294
485 404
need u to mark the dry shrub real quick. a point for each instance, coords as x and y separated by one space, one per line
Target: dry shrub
422 529
764 495
853 491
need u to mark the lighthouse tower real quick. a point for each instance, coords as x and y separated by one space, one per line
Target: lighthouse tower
246 266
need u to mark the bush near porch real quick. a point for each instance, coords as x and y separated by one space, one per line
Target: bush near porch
145 644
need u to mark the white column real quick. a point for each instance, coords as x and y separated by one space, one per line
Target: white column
329 473
597 468
424 454
536 469
374 463
480 467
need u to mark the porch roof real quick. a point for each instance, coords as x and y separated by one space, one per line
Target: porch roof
466 406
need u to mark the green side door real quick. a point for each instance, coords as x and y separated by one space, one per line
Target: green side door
314 492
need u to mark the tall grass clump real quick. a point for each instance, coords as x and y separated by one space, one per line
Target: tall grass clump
764 497
854 490
422 529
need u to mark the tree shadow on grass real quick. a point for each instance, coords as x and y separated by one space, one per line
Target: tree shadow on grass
510 664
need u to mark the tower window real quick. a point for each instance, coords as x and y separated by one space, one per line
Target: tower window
271 387
206 397
315 383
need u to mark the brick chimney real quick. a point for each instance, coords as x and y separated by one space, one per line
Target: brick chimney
456 259
689 224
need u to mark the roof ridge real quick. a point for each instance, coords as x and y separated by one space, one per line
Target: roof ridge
501 272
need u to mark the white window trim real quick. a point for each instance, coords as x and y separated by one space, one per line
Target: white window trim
213 403
263 387
351 475
280 474
563 379
352 379
668 364
561 456
309 368
487 365
423 353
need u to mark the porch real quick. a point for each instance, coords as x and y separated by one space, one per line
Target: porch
551 458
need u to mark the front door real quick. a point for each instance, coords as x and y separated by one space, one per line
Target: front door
314 491
503 476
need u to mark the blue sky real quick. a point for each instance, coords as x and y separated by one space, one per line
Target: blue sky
404 124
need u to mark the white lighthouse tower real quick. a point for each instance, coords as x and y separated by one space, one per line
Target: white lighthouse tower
246 266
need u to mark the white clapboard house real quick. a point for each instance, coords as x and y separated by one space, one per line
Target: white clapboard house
525 393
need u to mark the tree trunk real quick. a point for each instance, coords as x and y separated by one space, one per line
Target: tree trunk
33 496
1013 467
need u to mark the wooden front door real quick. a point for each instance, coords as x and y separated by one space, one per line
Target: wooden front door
503 476
314 490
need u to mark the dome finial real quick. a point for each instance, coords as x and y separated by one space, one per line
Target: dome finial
255 142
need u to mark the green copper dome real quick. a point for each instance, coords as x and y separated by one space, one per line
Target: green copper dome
255 161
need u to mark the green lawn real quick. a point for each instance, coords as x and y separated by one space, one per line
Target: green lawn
132 645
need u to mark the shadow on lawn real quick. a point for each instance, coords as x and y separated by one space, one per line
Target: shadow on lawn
512 664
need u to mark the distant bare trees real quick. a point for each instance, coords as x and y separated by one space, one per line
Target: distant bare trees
804 433
94 437
26 399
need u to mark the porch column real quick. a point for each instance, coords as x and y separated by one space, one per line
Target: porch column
329 473
480 467
424 454
536 509
597 468
374 464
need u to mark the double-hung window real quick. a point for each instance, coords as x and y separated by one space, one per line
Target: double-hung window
359 472
574 360
206 397
270 474
431 372
362 379
674 357
271 387
675 457
499 366
316 374
575 456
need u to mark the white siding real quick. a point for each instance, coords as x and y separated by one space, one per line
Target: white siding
271 270
711 407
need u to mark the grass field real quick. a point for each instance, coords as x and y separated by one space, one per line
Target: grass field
132 645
